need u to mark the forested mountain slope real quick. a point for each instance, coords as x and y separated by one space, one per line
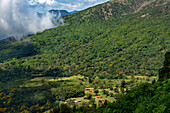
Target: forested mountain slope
146 98
108 40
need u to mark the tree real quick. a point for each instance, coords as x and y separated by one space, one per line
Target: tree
123 83
153 81
104 91
111 88
116 90
92 100
42 81
96 91
63 108
111 94
122 89
90 80
106 102
164 71
132 78
89 95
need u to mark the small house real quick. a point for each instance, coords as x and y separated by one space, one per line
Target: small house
114 88
135 72
75 101
103 99
79 75
89 89
121 72
98 96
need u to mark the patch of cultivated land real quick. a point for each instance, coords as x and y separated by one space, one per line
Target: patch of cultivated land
108 89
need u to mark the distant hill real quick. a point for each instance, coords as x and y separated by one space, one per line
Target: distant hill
59 12
7 40
72 12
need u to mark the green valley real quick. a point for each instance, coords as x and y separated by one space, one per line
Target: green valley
116 48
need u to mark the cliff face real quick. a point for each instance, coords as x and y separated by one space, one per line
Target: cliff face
164 72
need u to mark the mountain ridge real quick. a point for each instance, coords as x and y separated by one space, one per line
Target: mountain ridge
112 8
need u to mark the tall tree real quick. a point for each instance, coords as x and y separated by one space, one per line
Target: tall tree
164 72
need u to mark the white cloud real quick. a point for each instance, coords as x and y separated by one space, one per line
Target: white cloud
17 19
47 1
68 5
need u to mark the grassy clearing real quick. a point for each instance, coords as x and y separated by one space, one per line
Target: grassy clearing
44 80
74 80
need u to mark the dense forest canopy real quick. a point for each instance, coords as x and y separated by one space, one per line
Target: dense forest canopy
136 41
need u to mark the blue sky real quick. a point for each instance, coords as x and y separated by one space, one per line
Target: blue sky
69 5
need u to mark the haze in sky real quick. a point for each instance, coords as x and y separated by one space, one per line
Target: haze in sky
69 5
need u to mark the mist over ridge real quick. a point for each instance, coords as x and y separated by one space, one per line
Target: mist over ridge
18 19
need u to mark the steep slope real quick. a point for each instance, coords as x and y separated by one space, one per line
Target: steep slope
134 38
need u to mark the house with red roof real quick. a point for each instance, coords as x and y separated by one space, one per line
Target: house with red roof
103 99
89 89
122 72
135 72
40 74
99 96
114 88
79 75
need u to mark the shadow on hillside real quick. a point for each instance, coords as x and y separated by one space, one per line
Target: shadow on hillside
19 50
16 77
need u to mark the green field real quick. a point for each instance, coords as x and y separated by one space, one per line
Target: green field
83 81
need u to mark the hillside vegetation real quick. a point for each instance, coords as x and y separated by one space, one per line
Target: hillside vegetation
148 98
115 43
136 41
